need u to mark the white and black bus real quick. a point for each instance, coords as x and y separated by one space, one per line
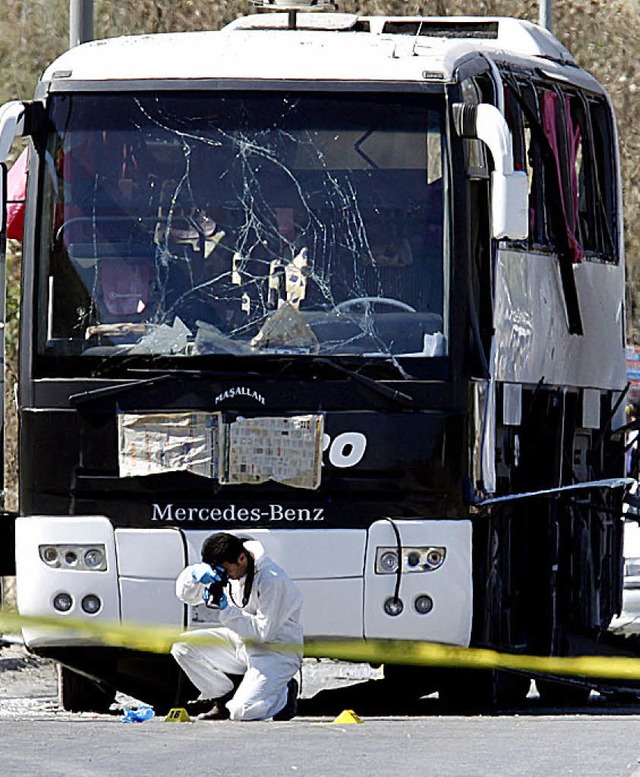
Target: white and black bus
351 286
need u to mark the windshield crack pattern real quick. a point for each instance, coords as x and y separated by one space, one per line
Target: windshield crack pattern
234 223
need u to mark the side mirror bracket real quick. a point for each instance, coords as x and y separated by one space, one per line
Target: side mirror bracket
12 115
509 187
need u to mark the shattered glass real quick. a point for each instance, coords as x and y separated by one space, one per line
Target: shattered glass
243 223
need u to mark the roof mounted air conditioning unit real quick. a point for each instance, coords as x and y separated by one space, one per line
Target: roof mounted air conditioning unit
295 5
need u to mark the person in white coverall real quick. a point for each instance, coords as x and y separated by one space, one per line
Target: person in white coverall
265 607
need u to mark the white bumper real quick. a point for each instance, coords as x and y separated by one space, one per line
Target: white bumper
136 585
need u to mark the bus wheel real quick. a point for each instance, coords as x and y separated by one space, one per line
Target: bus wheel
77 693
470 690
562 694
407 682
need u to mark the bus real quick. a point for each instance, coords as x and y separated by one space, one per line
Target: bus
352 286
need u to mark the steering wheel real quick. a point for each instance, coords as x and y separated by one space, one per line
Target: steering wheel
348 304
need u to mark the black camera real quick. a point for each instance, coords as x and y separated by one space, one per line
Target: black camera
215 591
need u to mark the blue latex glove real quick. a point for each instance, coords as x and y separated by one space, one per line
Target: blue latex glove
204 573
138 716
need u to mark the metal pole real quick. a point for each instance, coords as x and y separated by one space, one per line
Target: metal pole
546 14
80 22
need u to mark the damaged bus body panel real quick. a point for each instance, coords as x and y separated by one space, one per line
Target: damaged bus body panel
338 288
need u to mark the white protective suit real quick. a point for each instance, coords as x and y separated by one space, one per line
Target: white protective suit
272 614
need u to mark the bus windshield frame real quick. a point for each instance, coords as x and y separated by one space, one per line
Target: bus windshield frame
179 226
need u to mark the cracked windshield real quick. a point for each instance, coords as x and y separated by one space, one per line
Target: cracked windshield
235 223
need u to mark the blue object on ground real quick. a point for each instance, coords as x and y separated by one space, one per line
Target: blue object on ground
139 715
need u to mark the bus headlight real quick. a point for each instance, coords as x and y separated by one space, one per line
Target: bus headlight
414 559
423 604
50 555
94 558
91 604
434 557
62 602
393 606
81 557
388 561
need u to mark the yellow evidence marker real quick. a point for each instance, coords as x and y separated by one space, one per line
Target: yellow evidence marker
177 715
348 716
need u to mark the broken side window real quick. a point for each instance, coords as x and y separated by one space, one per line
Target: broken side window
564 138
577 133
522 110
603 179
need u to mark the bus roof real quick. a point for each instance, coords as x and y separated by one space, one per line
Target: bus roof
325 46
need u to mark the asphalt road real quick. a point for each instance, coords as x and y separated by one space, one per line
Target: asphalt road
502 746
39 739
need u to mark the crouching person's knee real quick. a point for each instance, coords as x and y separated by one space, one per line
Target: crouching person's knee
257 710
180 650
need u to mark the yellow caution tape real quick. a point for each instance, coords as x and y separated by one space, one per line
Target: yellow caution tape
150 639
432 654
158 639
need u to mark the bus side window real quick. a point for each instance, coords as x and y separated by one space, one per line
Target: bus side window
564 139
602 180
559 138
521 139
577 130
521 104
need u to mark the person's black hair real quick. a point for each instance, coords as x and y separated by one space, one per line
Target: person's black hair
227 547
222 547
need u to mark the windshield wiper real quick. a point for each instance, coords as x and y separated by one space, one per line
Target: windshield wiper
122 388
380 388
107 392
112 391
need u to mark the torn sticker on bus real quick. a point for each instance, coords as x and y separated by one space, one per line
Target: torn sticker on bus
153 443
287 450
254 450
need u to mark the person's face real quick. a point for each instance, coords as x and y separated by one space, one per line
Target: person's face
237 569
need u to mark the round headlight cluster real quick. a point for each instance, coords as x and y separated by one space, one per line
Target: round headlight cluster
389 561
63 602
81 557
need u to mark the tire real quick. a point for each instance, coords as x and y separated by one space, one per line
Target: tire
477 690
562 694
407 682
77 693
